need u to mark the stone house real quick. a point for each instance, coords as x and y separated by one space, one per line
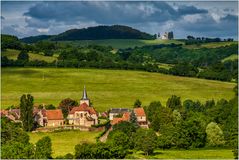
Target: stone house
116 112
141 117
125 117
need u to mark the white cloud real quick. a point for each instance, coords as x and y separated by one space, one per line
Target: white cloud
43 30
192 18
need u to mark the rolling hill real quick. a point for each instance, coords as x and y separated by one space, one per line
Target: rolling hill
94 33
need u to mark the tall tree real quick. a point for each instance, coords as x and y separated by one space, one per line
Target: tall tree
133 119
66 105
145 140
43 148
26 111
174 102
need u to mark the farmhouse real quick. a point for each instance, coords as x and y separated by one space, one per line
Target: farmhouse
50 118
125 117
83 115
116 112
119 115
141 117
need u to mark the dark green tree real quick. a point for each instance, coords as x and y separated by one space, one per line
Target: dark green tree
66 105
174 102
17 150
118 138
154 107
43 148
126 127
14 141
137 103
26 111
23 56
145 140
133 119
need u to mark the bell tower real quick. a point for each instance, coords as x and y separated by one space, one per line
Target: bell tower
84 98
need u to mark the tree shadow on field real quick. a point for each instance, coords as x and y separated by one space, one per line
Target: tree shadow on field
23 72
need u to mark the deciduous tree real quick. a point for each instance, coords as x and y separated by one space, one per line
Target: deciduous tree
26 111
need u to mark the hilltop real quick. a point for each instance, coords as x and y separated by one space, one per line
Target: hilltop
94 33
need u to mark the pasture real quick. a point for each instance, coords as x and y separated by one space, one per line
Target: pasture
121 43
64 142
187 154
12 54
106 88
231 58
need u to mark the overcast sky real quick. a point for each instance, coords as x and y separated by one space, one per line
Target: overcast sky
210 19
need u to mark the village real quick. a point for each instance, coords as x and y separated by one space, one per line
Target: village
83 117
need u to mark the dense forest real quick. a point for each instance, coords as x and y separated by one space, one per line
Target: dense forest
94 33
202 63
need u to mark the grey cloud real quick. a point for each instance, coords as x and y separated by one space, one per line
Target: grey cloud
2 18
183 10
227 26
109 12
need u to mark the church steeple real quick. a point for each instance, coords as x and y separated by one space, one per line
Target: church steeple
84 98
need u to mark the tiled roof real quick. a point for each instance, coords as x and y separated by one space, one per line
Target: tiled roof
139 112
54 114
116 120
83 107
125 117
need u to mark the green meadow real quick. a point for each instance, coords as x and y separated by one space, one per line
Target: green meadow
105 88
231 58
121 43
64 142
12 54
187 154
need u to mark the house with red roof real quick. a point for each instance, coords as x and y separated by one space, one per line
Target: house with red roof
50 118
141 117
54 118
84 114
125 117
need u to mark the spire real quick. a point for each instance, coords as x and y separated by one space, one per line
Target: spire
84 96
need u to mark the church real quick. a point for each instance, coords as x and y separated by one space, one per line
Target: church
84 114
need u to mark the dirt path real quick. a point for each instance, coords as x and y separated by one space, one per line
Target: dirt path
105 136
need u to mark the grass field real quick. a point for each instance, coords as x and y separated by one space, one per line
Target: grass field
210 45
64 142
122 43
106 88
231 57
12 54
188 154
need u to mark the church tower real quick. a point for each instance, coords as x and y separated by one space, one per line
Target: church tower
84 98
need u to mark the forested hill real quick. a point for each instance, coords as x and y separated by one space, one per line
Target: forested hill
94 33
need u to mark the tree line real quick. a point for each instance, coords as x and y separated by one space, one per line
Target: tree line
202 63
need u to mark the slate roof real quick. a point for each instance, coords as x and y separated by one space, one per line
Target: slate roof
118 110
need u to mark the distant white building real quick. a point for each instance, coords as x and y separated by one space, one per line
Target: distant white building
167 35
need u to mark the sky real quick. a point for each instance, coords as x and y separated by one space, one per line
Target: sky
196 18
